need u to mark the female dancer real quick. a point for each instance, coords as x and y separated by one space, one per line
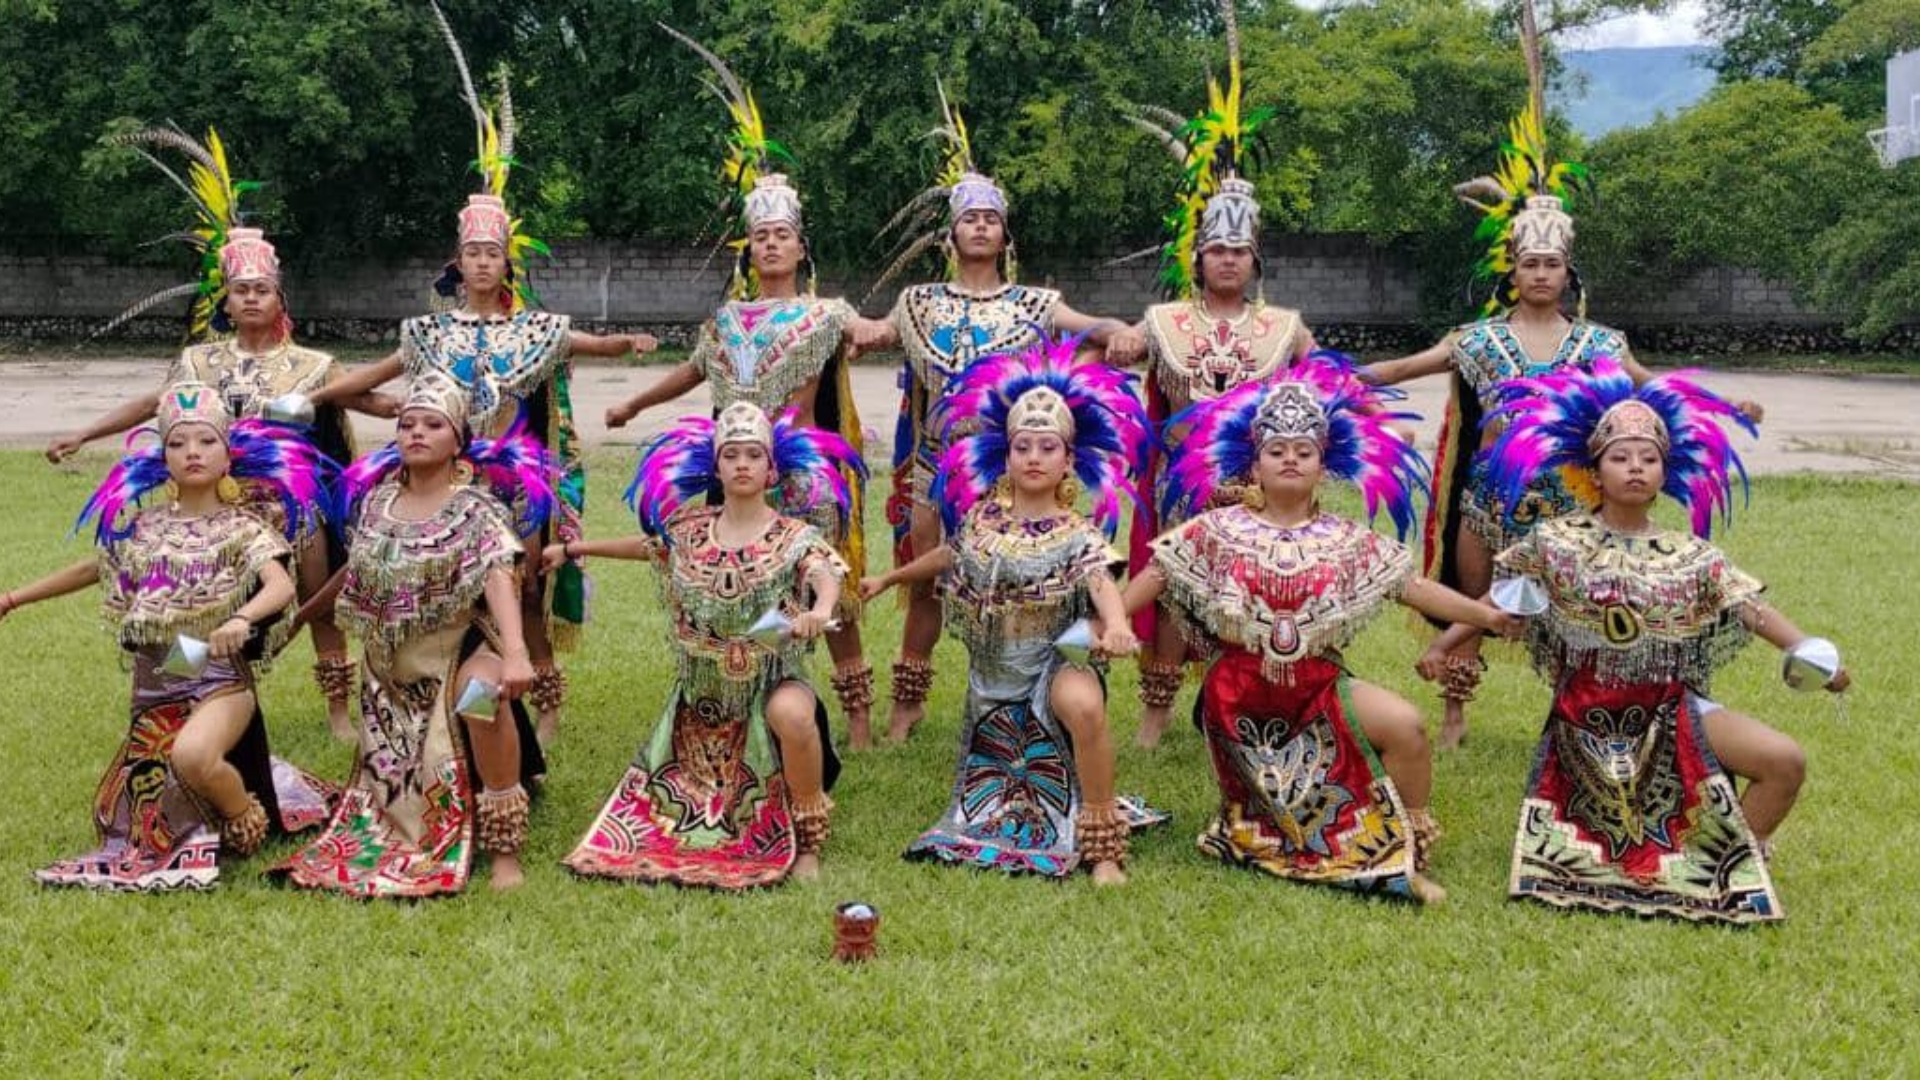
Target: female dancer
430 590
1632 804
1323 777
197 573
1033 791
730 790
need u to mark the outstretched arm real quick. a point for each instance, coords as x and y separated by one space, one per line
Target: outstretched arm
683 377
357 382
1428 361
1099 330
925 568
70 579
1636 371
1769 625
581 343
125 415
1436 601
634 548
868 335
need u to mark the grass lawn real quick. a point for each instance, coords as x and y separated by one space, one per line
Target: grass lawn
1190 970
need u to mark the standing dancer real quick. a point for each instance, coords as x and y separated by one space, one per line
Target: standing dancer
1323 777
1632 804
512 360
1034 790
730 790
194 773
980 310
776 346
240 292
429 589
1211 338
1523 333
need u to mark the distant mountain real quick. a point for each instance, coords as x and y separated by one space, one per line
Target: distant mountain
1604 89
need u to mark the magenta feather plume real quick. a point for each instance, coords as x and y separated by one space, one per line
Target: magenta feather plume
518 467
1549 420
1110 435
264 455
1220 441
139 472
679 466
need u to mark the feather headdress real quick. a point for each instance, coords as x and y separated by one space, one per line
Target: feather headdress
1214 201
274 457
1526 199
1098 412
216 196
680 465
1551 422
958 185
1328 400
494 135
755 190
516 468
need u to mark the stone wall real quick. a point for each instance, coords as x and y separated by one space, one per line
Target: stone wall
1356 295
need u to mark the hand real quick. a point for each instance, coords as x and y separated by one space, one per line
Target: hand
553 557
1505 623
229 637
1432 665
1118 641
1840 681
385 406
866 334
641 344
808 625
63 448
871 587
1752 410
1126 347
618 415
7 605
516 673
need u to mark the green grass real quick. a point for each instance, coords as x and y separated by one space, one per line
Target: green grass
1191 970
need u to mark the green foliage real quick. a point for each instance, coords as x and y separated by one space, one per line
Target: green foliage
1744 178
1191 969
1783 39
1867 267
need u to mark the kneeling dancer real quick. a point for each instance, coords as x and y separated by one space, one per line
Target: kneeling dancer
1034 787
730 790
1323 777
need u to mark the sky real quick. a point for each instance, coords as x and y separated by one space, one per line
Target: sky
1678 26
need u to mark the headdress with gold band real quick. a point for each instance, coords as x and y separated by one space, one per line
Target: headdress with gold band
1215 203
1321 399
1567 419
1524 204
516 467
755 192
227 250
680 465
958 187
1094 409
486 217
262 454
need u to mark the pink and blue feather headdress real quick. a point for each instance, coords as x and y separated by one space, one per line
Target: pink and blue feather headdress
262 454
1320 397
680 464
1562 421
515 464
1107 432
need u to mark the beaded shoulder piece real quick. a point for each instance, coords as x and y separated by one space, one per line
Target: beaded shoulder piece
177 574
409 577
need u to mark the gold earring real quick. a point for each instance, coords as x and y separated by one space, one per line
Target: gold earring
1003 491
173 491
1067 493
462 474
1253 497
228 490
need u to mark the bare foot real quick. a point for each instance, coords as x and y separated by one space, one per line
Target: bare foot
341 722
1154 720
506 873
859 729
546 727
1453 727
1107 874
806 867
1428 891
900 724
